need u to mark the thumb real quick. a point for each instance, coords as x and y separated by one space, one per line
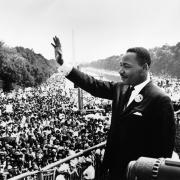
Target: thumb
53 45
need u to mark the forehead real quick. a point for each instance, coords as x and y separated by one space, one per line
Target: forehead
130 57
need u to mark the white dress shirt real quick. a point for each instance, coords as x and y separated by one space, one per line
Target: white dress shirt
65 69
137 89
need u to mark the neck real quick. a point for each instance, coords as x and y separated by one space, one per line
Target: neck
144 78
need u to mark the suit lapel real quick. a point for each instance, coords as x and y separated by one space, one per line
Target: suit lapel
121 98
134 103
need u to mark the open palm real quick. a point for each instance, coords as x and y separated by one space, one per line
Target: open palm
58 51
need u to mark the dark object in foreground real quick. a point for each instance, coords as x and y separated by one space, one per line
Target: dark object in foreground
150 168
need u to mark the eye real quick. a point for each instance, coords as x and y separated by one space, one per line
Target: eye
127 66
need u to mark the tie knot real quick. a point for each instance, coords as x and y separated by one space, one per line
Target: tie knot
130 88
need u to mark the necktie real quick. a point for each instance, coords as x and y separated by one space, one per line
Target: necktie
127 95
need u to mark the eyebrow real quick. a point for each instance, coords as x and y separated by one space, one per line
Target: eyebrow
124 63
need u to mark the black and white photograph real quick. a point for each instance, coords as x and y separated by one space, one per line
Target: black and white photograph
89 89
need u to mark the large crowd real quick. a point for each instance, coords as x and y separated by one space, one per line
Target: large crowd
172 87
42 125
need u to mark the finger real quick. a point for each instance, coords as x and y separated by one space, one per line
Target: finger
57 41
54 39
53 45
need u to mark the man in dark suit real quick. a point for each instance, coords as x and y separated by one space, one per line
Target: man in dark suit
142 121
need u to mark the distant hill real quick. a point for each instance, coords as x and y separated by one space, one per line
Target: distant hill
24 67
165 61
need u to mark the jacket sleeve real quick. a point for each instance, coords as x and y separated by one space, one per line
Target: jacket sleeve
98 88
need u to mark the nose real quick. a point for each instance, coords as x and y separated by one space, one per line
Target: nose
121 70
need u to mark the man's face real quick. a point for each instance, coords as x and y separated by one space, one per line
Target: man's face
130 71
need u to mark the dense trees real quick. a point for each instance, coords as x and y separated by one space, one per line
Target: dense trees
23 66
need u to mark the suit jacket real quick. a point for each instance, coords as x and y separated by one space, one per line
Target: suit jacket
145 128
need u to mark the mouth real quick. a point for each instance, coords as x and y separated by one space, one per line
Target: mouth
123 78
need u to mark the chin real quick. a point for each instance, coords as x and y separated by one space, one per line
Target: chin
125 82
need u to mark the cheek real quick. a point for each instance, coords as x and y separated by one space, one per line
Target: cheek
133 75
137 76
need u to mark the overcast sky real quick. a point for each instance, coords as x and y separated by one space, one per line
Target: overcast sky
101 28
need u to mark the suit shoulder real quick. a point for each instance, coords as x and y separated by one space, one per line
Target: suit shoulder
154 91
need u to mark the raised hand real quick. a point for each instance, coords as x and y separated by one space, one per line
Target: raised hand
58 51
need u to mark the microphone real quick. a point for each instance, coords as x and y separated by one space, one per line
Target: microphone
153 169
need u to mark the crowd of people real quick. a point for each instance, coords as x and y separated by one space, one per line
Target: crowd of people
172 87
42 125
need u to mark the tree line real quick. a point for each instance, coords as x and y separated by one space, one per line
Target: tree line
165 61
24 67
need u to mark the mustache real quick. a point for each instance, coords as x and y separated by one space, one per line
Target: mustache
123 75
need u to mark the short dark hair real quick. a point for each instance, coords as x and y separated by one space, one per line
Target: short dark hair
142 55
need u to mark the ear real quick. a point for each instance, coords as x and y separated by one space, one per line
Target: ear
145 67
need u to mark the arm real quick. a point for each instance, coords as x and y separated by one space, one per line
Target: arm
97 88
102 89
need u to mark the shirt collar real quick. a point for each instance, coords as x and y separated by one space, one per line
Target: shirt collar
141 85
